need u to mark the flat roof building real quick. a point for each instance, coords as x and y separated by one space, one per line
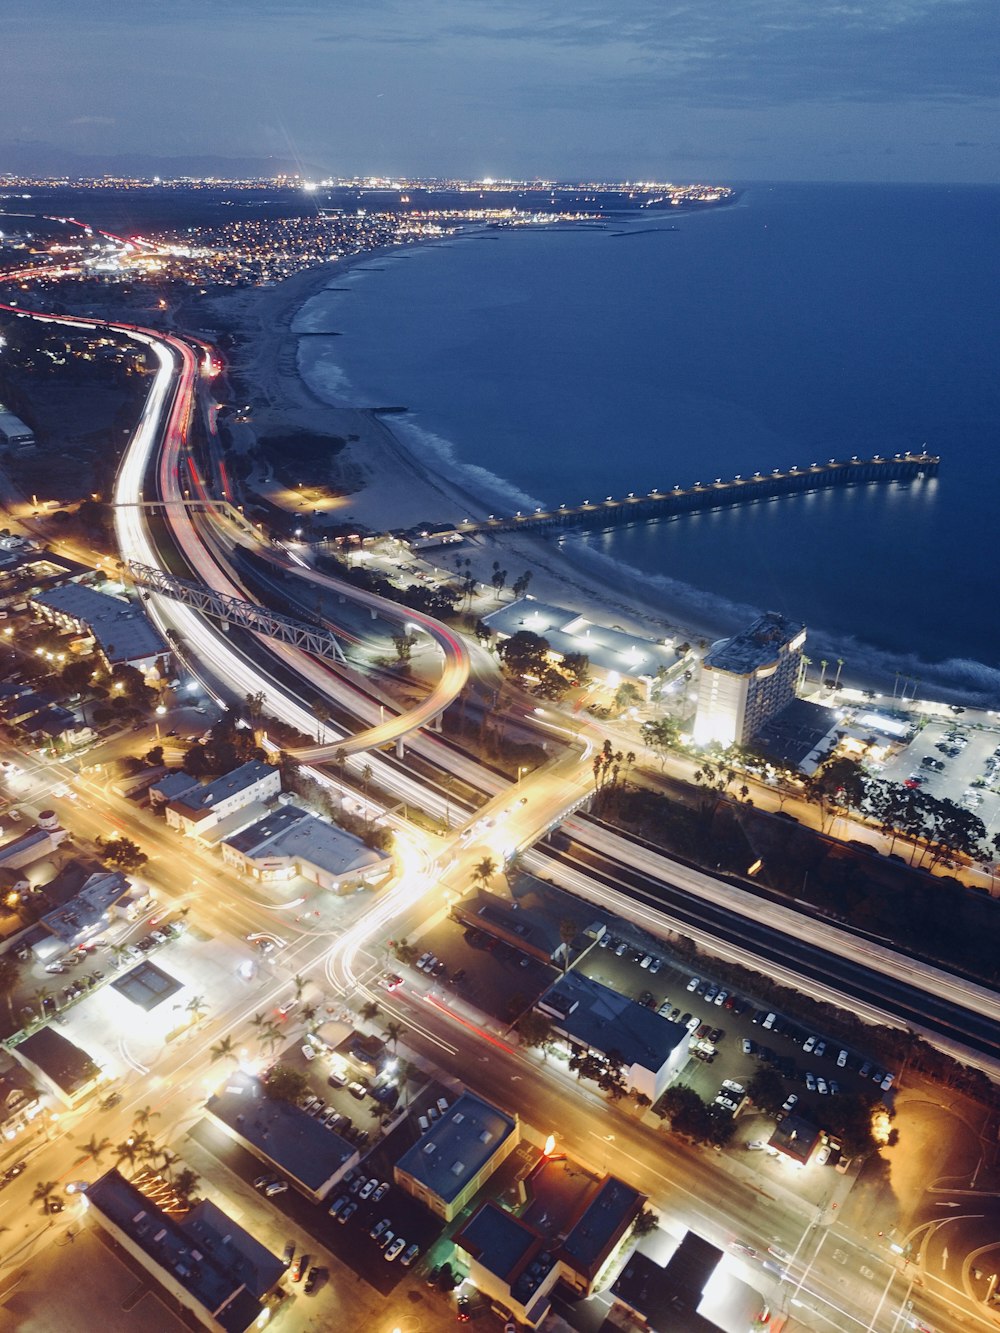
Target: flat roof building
198 808
290 842
532 921
66 1070
613 654
30 846
212 1267
121 632
90 910
282 1135
651 1049
700 1290
457 1155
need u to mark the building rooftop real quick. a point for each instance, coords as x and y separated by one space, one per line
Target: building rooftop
509 1248
795 1137
17 847
668 1297
606 649
294 1141
224 1278
296 834
69 1067
88 910
800 736
204 797
455 1149
601 1224
146 985
174 785
755 647
606 1021
120 628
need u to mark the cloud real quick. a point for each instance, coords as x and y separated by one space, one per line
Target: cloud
93 120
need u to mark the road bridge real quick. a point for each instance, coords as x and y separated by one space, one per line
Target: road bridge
717 494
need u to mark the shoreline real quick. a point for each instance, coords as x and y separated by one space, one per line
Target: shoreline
389 485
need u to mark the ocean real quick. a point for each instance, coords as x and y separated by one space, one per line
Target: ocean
805 322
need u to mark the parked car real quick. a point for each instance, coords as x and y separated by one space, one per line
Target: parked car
395 1250
790 1102
289 1254
338 1205
369 1188
810 1081
722 997
808 1045
749 1047
309 1286
380 1193
821 1085
411 1253
348 1213
379 1228
841 1059
693 984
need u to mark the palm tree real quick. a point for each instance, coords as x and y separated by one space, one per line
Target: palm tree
144 1115
44 1192
186 1183
484 871
196 1008
168 1160
309 1014
224 1049
393 1032
300 984
136 1148
95 1147
271 1036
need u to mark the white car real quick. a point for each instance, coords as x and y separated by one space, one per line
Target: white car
887 1082
841 1059
808 1044
655 966
395 1249
646 961
693 984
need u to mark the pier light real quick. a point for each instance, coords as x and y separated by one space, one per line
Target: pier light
518 514
718 481
877 458
854 458
538 509
607 499
631 495
563 505
586 502
829 460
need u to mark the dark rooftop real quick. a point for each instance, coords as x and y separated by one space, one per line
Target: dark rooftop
669 1297
606 1021
791 735
194 1256
755 647
294 1141
455 1150
601 1225
65 1064
146 985
795 1137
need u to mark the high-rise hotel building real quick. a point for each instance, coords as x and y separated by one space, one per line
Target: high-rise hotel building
746 680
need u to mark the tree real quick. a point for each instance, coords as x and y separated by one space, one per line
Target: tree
144 1115
224 1049
568 931
186 1184
369 1010
766 1090
498 580
122 852
95 1147
154 757
661 736
284 1084
405 952
484 871
577 667
44 1192
520 585
167 1161
534 1029
524 654
10 974
393 1032
404 644
646 1222
196 1007
299 984
626 696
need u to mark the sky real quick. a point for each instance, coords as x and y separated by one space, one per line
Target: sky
877 90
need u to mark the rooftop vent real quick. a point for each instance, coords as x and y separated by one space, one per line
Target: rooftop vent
458 1168
458 1117
486 1136
430 1148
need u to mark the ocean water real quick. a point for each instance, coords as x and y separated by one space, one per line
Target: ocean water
803 323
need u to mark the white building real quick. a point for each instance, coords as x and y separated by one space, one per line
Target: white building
747 680
290 842
120 630
196 809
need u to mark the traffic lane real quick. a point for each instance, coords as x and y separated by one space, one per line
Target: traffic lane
349 1243
921 1009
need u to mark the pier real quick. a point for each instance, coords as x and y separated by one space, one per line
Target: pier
717 494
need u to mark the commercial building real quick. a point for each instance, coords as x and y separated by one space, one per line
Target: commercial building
14 434
613 655
30 846
290 842
571 1231
700 1290
19 1101
121 632
104 895
457 1155
599 1020
197 808
748 679
312 1157
213 1268
67 1071
532 922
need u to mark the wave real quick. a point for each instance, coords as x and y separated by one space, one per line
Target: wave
953 680
491 490
320 369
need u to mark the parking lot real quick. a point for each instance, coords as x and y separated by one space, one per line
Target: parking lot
732 1035
960 763
349 1241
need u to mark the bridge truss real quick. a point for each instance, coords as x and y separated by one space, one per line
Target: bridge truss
235 611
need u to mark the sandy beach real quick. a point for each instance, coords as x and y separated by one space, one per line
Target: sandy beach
387 486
